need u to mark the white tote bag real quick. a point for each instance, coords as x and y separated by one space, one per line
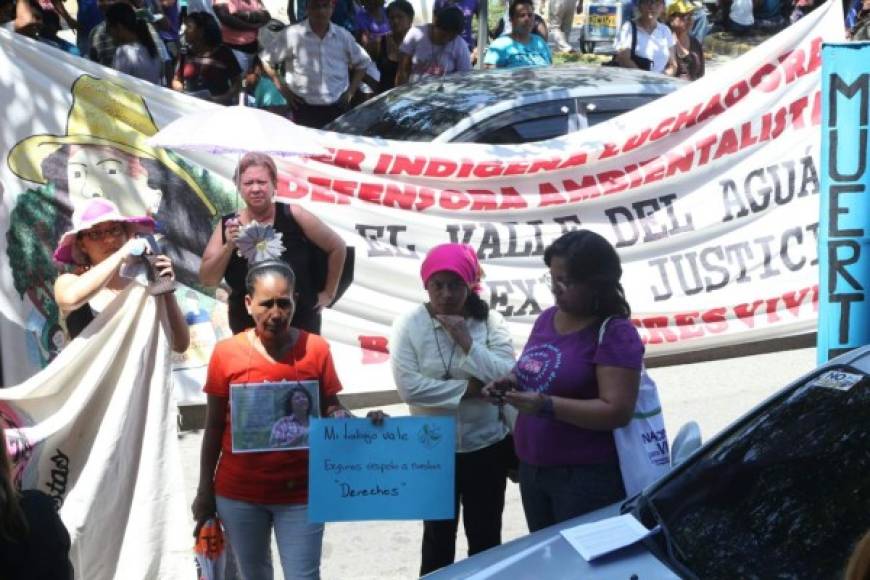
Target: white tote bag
642 445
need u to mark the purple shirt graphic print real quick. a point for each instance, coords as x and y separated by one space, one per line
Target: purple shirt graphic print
536 370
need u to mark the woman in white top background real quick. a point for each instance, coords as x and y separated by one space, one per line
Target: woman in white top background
646 43
442 353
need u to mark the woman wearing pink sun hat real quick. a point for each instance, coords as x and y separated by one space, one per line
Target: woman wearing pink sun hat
99 243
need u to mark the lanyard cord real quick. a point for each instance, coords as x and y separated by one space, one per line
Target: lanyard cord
446 364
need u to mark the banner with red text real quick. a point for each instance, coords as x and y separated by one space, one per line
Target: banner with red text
710 194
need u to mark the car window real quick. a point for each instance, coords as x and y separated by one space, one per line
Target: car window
528 131
528 123
600 109
784 496
400 119
541 121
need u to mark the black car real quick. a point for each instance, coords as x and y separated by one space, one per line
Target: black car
500 106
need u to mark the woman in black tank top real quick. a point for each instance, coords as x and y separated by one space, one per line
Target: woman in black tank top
303 236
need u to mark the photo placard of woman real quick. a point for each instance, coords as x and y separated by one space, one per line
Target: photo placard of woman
442 353
291 430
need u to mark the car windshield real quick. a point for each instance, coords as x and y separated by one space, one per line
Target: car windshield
785 496
410 115
424 110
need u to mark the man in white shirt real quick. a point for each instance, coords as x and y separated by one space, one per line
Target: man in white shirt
317 57
740 18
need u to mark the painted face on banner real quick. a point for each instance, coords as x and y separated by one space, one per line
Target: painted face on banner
107 172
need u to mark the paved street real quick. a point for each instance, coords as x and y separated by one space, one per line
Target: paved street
713 394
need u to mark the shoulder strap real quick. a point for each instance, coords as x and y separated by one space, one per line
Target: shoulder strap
602 329
633 36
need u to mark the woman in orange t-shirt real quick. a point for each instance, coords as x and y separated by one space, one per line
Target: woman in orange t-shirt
255 492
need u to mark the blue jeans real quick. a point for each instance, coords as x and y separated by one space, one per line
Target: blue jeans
555 494
700 26
248 527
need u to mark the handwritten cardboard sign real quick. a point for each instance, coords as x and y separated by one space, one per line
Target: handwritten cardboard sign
401 470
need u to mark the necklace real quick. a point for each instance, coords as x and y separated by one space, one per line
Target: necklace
446 364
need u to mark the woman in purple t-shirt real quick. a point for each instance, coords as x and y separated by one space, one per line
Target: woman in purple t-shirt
571 391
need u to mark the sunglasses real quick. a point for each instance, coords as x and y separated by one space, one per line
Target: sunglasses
96 235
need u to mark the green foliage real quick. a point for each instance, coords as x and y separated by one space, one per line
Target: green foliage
252 439
31 239
496 11
218 190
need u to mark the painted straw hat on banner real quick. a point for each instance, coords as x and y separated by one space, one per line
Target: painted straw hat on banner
102 114
94 212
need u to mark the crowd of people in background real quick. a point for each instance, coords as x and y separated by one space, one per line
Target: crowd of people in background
225 51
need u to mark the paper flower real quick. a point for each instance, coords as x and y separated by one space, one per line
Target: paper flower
258 242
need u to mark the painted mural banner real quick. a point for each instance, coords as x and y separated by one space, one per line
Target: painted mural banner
710 194
844 227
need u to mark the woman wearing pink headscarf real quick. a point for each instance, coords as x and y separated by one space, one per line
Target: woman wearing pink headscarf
442 353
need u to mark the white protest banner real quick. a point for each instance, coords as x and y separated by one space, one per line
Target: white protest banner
710 195
96 430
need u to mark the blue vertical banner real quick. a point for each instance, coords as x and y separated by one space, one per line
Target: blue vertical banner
844 220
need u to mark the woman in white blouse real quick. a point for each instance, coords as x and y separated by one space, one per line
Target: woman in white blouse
646 43
442 354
